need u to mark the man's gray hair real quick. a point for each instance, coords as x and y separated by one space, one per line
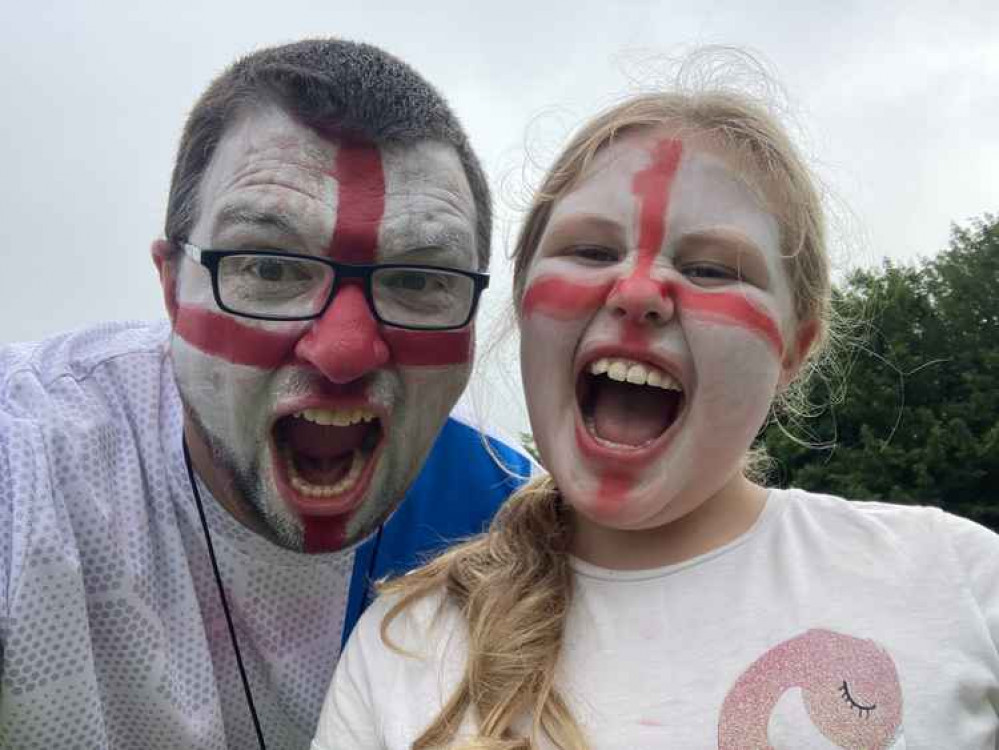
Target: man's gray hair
330 85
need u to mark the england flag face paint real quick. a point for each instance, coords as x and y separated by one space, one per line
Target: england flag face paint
321 425
653 330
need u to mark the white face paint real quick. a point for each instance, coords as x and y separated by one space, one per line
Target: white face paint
660 267
261 394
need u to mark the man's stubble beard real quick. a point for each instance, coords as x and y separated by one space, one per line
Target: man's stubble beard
249 485
255 490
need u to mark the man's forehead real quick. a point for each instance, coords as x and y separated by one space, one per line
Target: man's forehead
270 164
269 135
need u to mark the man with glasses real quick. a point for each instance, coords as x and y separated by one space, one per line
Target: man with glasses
191 515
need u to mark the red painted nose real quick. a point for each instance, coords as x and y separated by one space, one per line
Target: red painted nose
345 344
640 299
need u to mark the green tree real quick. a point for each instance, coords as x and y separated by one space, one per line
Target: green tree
918 417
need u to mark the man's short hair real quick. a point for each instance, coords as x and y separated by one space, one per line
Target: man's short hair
330 85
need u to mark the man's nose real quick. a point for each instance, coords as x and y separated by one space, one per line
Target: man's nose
345 343
641 300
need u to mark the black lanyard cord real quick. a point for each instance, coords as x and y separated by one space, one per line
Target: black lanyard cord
225 603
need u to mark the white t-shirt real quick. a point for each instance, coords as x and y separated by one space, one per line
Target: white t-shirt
829 624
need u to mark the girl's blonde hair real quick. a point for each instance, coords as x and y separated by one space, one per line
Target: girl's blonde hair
513 585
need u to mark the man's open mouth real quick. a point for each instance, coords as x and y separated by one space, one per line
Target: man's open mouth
324 453
626 403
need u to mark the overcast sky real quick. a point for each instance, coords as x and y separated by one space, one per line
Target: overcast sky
898 106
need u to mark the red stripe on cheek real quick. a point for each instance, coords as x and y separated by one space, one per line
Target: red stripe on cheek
732 308
360 204
557 298
223 336
651 187
324 533
429 348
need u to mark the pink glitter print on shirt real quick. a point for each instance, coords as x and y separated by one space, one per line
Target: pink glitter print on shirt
849 686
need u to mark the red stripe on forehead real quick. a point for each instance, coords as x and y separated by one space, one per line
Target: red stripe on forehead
651 187
360 203
224 336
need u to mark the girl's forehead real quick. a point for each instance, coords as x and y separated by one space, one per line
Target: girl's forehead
705 190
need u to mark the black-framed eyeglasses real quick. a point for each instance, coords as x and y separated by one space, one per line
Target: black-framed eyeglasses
271 285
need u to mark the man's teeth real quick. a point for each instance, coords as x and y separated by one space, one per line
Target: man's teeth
336 417
345 483
638 373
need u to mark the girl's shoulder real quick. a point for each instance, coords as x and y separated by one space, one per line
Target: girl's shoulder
923 528
414 629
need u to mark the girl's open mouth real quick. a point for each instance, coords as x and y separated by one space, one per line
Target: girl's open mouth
626 403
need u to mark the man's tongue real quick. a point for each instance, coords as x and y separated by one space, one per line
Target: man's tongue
631 414
322 453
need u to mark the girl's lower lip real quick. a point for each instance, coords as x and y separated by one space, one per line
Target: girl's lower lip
305 505
632 458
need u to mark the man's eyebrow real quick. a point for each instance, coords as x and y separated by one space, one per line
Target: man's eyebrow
238 214
433 241
433 253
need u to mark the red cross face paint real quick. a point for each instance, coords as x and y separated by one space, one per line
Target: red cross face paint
320 426
652 331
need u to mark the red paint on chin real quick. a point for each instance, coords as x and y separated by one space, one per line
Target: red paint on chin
324 533
224 336
360 203
429 348
612 493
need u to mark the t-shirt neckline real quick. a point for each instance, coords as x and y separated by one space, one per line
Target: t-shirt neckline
774 504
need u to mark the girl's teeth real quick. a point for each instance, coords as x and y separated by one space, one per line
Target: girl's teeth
637 373
618 371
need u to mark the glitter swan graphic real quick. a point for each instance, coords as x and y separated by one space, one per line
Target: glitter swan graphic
849 687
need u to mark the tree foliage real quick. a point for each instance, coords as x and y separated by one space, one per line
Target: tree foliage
912 410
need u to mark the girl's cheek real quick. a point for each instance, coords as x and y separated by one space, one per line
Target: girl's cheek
738 308
562 298
737 370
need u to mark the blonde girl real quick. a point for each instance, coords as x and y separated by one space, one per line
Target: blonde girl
671 283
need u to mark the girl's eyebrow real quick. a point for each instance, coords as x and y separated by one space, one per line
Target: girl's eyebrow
591 227
733 241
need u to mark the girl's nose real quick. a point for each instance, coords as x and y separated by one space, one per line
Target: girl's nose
641 300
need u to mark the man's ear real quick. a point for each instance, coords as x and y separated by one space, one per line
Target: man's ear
797 352
166 266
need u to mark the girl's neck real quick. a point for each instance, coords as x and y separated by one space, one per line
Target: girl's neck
724 517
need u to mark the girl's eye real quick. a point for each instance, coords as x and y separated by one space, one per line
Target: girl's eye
593 254
711 274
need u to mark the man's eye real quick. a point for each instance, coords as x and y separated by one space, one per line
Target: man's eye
593 254
268 270
274 270
711 274
406 281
